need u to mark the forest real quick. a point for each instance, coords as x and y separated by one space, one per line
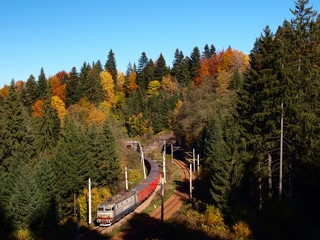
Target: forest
254 119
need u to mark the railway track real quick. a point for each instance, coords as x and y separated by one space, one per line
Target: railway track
138 230
151 224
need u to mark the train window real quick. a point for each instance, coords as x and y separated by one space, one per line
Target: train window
108 209
100 209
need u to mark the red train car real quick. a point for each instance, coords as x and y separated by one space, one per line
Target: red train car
116 207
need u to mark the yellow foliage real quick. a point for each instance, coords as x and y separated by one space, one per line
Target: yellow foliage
178 107
84 102
97 197
137 125
169 85
96 116
105 107
153 86
242 230
23 234
132 85
108 87
214 218
121 78
224 79
60 106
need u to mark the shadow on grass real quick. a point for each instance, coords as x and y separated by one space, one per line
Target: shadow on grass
141 226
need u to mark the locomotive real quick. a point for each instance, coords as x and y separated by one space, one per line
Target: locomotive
114 208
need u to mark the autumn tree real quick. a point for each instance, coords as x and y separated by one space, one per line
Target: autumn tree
132 85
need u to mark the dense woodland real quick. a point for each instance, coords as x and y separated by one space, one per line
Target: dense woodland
255 120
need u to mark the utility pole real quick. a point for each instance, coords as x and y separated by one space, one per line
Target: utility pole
190 180
143 164
126 177
281 153
194 159
171 152
164 165
89 200
162 198
198 163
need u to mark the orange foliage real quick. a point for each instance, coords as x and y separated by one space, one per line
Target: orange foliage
37 108
96 116
19 85
208 67
58 89
60 106
4 91
168 84
221 62
132 85
60 75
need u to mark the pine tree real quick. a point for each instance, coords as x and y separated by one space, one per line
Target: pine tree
143 61
16 140
42 84
217 160
176 70
112 68
92 87
74 88
161 69
72 165
195 62
102 147
47 127
186 74
30 92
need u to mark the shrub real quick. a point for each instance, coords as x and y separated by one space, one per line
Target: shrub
214 218
242 230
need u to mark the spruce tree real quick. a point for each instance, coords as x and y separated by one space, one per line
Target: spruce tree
195 62
102 147
217 160
74 88
92 87
161 69
72 165
46 128
176 70
111 67
30 92
42 85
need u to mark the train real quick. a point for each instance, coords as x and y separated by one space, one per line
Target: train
116 207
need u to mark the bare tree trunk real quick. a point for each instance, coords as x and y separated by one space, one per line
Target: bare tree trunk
260 189
270 175
281 154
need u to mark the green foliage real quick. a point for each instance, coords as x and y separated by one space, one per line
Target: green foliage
161 69
111 67
72 164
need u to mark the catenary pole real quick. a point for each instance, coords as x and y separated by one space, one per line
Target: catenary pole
89 201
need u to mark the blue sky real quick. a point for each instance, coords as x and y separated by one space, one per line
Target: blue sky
58 35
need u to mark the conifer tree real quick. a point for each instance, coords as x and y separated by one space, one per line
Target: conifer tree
47 127
176 70
92 87
111 67
103 153
42 84
16 140
72 164
74 88
161 69
195 62
30 92
217 160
